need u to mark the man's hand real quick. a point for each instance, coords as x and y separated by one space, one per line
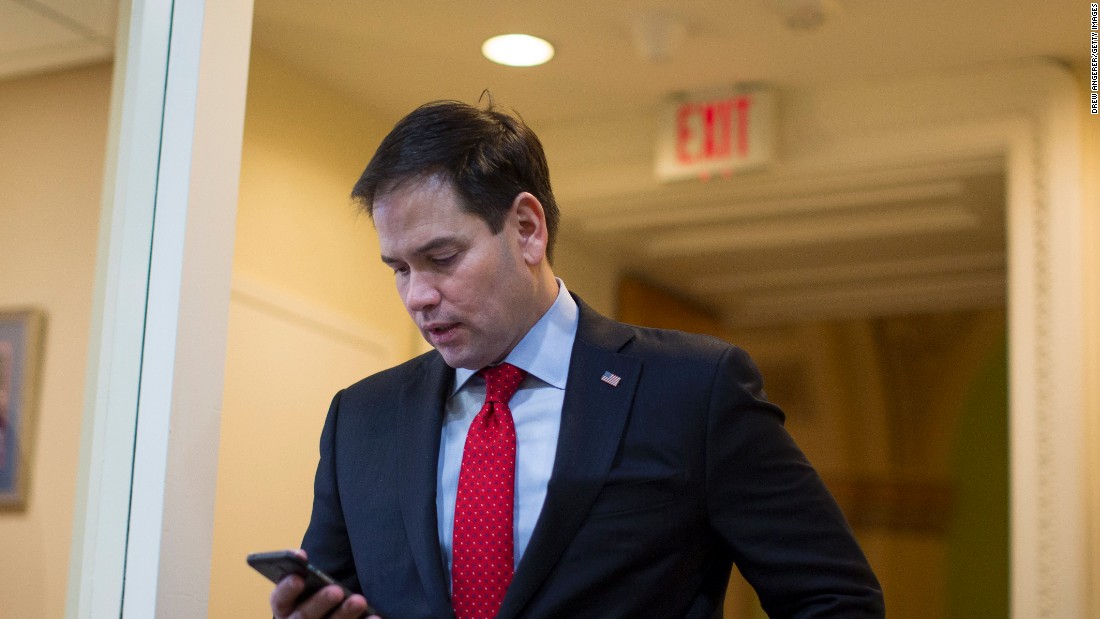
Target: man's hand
285 595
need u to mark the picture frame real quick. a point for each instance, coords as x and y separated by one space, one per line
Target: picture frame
21 338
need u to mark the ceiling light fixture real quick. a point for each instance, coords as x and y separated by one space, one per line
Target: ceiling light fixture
517 50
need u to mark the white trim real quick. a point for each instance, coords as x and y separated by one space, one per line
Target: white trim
1046 356
118 321
143 550
144 516
179 414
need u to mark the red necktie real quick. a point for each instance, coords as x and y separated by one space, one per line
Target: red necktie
483 547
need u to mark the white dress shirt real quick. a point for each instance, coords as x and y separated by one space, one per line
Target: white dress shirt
544 353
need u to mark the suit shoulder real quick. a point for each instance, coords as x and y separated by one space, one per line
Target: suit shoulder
650 341
653 343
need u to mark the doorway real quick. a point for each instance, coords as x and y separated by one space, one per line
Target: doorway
905 416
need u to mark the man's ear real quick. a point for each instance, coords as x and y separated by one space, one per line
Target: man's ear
531 227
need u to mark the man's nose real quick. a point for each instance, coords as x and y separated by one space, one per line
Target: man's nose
421 293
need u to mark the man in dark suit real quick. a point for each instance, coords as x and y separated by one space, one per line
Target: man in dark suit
545 461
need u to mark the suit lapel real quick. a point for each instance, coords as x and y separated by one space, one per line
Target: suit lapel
593 416
422 402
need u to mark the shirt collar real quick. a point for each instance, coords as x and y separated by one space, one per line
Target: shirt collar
546 349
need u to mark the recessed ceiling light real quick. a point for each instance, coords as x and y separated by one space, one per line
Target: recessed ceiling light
517 50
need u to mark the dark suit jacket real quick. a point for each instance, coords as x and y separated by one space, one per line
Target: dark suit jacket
659 485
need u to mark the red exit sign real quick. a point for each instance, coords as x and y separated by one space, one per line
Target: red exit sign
715 135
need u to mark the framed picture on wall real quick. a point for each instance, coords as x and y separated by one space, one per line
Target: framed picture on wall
21 333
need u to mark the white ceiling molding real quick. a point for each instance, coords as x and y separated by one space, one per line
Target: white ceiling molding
787 179
928 294
816 229
672 215
851 272
869 292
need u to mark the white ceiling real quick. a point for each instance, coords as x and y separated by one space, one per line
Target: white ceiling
44 35
397 54
921 239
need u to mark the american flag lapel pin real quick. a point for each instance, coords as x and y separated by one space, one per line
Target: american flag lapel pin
611 379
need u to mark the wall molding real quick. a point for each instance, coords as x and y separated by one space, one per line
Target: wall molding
1046 322
315 317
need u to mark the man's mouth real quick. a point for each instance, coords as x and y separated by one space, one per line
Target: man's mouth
440 331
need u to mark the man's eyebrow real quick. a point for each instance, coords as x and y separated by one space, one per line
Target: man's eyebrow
432 245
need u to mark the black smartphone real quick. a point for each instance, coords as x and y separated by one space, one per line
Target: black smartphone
282 563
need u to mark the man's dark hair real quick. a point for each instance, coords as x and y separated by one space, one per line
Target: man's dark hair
488 156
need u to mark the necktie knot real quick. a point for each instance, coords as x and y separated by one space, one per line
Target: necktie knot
501 382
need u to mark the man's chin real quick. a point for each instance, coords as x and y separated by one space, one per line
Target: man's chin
456 360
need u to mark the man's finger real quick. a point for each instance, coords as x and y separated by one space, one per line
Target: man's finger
321 602
285 594
355 607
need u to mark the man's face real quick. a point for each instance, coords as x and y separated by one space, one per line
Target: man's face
472 293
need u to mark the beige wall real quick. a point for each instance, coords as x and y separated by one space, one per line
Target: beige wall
312 310
54 130
304 148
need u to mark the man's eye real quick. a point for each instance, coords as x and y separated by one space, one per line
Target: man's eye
444 260
400 270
